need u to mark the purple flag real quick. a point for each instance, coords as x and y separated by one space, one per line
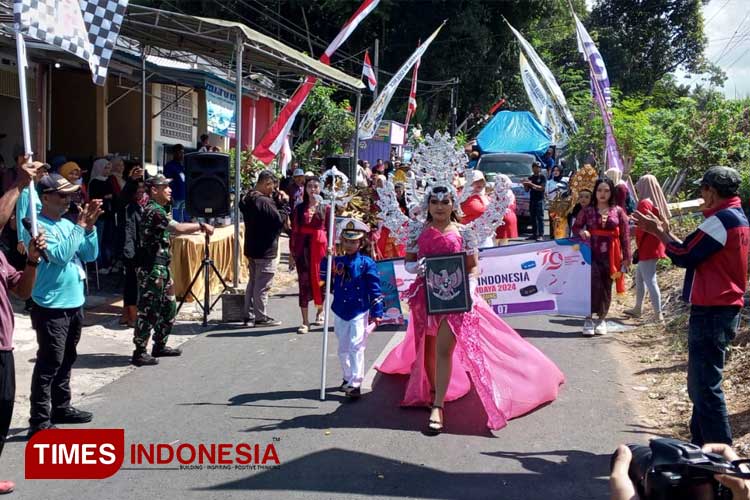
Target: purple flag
601 92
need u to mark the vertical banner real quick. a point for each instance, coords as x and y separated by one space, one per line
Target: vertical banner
542 102
389 286
600 89
547 78
374 115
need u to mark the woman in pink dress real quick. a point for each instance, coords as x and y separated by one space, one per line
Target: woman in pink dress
443 354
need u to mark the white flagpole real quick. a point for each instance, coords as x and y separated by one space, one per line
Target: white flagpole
22 63
329 273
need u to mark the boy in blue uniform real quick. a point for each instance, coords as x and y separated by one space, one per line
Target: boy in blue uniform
355 285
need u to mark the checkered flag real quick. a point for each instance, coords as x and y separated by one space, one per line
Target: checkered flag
87 29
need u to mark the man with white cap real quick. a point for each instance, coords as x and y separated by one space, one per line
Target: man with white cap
297 188
355 285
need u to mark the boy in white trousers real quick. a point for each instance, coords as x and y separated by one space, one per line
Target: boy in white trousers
357 298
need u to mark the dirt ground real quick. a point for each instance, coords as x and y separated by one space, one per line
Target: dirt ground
654 365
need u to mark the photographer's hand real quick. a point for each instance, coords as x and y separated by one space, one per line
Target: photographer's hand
619 482
740 488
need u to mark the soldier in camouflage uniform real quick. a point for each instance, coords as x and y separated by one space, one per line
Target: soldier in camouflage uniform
156 301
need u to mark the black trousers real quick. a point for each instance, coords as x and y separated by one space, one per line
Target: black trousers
57 334
130 290
7 393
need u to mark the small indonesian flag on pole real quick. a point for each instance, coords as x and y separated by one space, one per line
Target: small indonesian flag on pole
271 143
368 73
412 106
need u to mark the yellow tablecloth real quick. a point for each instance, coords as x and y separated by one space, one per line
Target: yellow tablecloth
187 257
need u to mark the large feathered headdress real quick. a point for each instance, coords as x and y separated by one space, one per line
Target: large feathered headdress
437 162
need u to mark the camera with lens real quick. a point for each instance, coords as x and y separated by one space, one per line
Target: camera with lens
670 469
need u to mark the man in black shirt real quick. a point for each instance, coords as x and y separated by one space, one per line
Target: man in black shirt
535 186
265 210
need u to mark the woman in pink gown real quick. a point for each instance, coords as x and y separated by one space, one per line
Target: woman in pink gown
511 376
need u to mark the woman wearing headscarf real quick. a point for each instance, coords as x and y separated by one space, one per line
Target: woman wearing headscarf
621 189
649 248
73 174
101 188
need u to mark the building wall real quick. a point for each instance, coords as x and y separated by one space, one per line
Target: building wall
10 109
73 115
264 116
163 139
125 119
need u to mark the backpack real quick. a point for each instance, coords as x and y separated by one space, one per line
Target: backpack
629 204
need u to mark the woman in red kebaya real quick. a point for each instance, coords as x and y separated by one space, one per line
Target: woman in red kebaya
650 248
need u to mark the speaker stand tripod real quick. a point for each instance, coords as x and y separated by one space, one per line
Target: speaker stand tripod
206 267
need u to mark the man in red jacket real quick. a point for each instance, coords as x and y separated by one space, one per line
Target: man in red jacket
715 256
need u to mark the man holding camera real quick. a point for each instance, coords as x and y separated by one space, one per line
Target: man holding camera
265 211
622 486
715 256
156 300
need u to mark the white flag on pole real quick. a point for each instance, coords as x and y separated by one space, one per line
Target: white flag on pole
542 102
370 122
547 78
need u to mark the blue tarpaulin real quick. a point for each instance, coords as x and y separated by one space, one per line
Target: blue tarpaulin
514 132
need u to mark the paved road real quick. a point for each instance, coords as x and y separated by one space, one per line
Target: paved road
237 385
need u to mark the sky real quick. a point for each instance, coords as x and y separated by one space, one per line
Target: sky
727 26
729 21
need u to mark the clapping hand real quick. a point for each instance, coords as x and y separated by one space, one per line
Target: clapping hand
649 223
89 214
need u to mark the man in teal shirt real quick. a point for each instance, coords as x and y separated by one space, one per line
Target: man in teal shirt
57 314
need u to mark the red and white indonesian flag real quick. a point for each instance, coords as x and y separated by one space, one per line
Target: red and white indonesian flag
286 155
271 143
371 120
368 73
412 106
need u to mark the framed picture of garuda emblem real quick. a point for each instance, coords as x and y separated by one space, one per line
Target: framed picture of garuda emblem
447 284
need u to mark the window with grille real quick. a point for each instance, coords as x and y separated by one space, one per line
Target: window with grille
177 119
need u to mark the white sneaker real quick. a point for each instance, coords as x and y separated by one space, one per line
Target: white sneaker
588 328
601 327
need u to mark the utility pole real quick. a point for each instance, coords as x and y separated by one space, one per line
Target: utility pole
375 69
454 100
455 106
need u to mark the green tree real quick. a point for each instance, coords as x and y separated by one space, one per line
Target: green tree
331 124
643 40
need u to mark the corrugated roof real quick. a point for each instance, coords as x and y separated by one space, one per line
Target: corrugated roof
181 37
215 39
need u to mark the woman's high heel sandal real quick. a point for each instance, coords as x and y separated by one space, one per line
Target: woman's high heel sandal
435 427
